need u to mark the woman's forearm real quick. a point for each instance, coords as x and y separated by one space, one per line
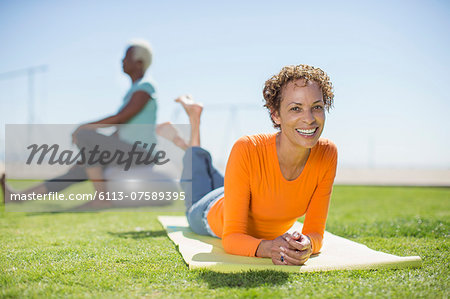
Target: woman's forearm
108 121
264 249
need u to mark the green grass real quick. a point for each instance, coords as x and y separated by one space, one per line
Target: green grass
127 254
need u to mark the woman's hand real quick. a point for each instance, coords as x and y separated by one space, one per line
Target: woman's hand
298 251
75 133
287 249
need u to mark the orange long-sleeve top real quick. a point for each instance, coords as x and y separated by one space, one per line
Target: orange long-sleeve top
260 204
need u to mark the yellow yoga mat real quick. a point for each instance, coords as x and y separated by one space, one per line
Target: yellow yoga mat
337 253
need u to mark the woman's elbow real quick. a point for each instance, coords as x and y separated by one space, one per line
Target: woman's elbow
121 119
227 246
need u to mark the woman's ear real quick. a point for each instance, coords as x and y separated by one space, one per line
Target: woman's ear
140 64
275 117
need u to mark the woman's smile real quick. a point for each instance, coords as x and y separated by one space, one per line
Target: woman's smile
307 133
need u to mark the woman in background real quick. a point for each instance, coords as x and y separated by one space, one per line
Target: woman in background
138 107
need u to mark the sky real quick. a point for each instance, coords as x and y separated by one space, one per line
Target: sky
388 61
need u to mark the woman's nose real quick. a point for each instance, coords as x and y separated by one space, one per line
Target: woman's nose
308 117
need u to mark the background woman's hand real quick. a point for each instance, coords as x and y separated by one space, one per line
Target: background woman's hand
81 127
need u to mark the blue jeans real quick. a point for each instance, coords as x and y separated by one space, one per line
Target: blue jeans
203 186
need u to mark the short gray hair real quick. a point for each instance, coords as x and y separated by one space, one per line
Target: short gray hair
141 51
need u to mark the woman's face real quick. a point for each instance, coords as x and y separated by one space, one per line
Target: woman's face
302 113
128 62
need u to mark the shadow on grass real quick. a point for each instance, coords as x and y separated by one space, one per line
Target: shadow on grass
140 234
248 279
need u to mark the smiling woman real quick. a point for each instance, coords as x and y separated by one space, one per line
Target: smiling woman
271 179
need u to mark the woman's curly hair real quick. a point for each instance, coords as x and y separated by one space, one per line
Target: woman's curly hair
273 87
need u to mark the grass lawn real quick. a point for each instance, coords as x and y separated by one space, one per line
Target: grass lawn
127 253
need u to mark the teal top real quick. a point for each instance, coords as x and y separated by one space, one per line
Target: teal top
131 131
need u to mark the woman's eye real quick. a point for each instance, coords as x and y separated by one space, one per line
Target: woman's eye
318 107
295 108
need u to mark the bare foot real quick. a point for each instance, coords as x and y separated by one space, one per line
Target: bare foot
194 111
192 108
168 131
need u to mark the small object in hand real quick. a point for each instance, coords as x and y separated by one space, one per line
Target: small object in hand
282 259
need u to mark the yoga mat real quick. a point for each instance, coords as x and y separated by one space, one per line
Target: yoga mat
337 253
